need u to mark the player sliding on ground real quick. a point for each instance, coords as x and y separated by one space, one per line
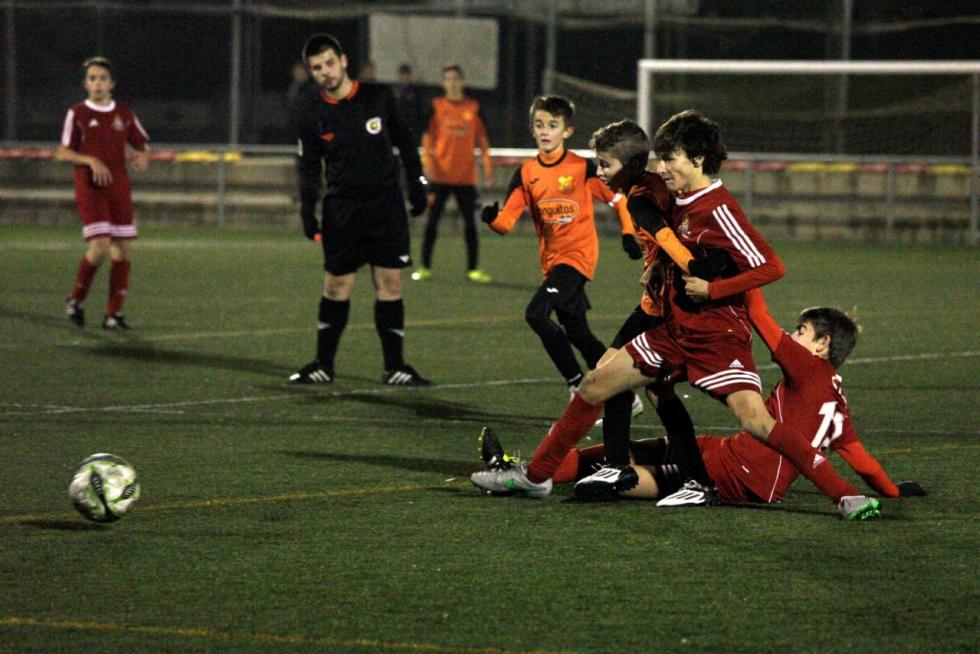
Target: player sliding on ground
810 397
706 333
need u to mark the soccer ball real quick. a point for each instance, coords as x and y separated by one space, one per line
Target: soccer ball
104 487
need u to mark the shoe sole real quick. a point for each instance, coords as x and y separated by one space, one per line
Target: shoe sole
870 510
599 490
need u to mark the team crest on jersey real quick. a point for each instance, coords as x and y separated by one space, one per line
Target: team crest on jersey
684 229
566 184
373 125
557 211
117 124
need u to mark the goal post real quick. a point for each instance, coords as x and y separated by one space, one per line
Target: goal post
896 109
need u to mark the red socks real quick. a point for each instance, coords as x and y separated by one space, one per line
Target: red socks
809 461
83 280
568 468
118 287
574 424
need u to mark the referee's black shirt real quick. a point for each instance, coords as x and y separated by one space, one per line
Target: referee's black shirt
353 137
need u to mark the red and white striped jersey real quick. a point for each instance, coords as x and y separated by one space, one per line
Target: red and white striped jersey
707 220
103 132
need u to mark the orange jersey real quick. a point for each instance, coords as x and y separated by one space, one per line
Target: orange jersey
651 205
454 132
559 190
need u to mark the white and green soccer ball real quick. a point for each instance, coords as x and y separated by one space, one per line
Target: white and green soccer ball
104 487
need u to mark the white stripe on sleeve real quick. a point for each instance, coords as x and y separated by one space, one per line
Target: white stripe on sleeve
139 126
737 236
66 128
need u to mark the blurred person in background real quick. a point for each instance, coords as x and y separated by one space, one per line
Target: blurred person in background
409 98
94 139
454 130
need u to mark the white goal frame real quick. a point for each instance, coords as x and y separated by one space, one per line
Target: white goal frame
647 68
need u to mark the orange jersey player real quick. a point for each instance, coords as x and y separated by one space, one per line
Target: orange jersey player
449 143
95 138
559 188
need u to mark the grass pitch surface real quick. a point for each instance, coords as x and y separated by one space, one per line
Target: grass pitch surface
340 518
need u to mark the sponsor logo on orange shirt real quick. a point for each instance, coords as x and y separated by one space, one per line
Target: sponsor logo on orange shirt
559 211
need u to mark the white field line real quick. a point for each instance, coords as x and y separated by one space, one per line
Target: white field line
177 407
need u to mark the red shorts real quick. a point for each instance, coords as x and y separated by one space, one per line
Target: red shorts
718 363
105 210
730 487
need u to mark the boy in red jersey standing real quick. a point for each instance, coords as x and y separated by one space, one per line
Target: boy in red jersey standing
454 131
559 187
94 139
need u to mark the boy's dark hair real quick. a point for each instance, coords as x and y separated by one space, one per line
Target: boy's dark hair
453 67
318 44
556 105
624 140
101 62
696 135
836 324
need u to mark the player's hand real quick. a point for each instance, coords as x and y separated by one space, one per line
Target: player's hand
100 173
910 489
418 197
311 228
717 263
141 160
696 288
489 212
631 247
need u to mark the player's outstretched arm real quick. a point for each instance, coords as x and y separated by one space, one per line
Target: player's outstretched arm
761 319
870 470
651 218
503 220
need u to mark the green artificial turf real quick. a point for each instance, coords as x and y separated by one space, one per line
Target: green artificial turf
340 517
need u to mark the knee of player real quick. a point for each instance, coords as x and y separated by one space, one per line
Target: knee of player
591 388
754 418
537 317
98 248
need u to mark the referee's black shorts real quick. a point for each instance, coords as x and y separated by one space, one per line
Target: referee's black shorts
358 231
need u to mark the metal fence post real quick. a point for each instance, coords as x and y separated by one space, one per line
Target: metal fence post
221 188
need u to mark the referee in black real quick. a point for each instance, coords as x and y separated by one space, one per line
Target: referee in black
346 134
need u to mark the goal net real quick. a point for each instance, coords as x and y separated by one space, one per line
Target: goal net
837 108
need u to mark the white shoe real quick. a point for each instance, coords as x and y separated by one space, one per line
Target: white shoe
691 494
510 481
606 483
635 410
858 507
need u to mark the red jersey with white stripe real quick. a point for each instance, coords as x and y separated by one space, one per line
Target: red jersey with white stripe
711 219
103 132
810 400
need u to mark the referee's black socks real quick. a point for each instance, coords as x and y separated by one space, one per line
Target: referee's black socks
389 320
332 321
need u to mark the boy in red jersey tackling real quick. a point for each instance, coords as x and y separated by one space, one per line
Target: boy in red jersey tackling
558 186
705 334
94 140
810 397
